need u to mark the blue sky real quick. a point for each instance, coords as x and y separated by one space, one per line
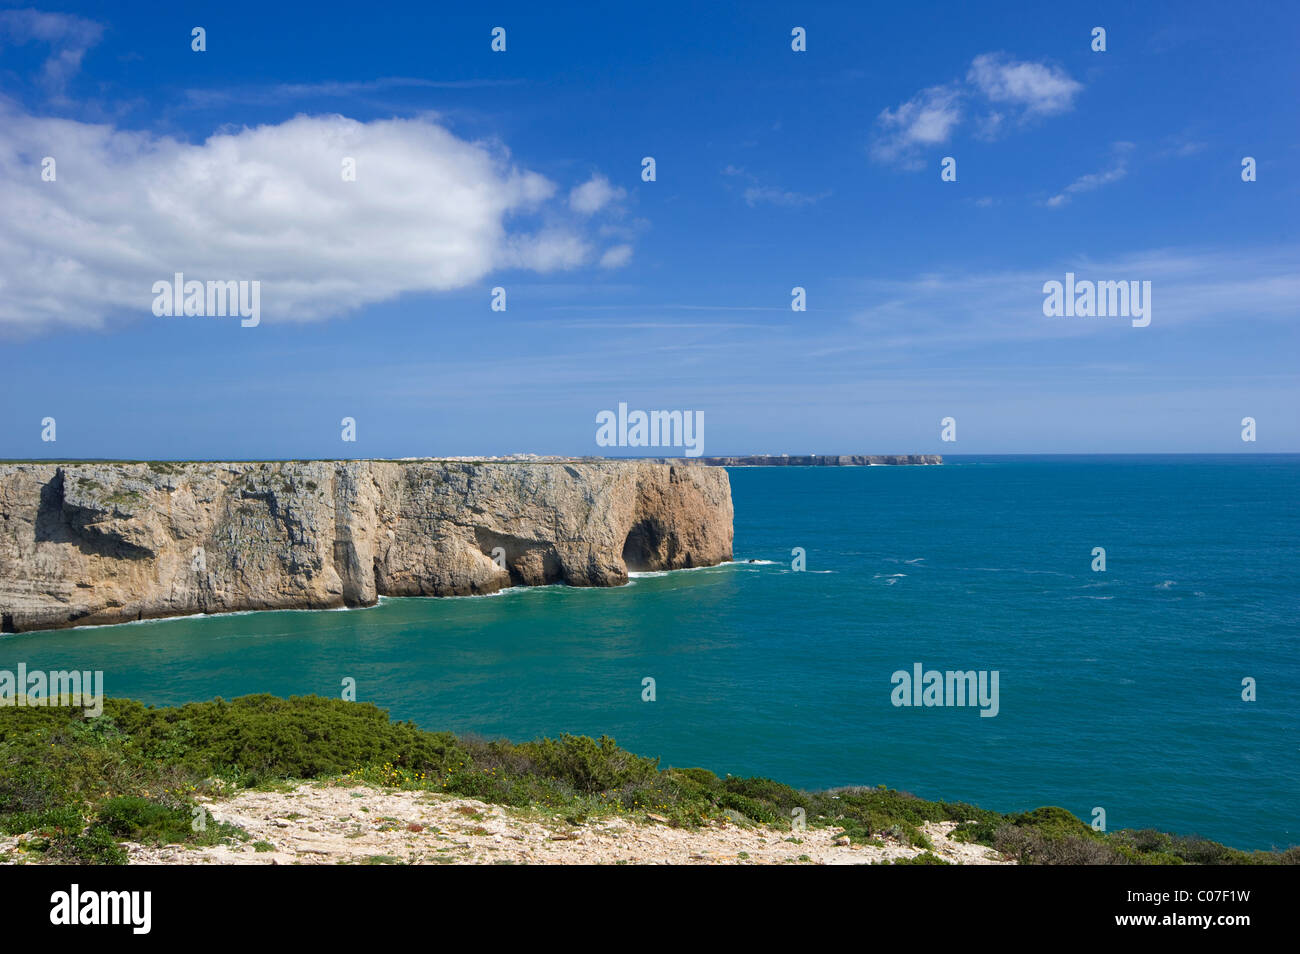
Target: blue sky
522 170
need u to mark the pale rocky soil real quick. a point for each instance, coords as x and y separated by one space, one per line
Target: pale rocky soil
356 824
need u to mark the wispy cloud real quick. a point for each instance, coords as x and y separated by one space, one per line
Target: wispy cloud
996 91
1181 147
69 37
277 93
616 257
1117 170
759 193
953 309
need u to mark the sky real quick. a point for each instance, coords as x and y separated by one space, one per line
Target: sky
522 169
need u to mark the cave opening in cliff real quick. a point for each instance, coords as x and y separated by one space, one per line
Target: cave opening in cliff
642 550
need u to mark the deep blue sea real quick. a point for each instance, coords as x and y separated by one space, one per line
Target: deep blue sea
1119 689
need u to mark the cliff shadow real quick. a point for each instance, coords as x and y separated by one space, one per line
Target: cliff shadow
648 546
58 522
528 562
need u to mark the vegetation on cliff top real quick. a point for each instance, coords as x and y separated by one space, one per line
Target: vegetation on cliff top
81 785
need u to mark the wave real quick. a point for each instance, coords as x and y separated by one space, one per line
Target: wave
646 574
198 616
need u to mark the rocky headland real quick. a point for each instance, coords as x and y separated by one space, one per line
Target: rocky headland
92 543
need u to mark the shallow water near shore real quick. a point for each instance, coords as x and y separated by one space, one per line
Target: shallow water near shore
1119 690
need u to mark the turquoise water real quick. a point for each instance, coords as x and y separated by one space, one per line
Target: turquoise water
1119 689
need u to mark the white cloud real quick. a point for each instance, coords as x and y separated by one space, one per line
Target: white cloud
428 212
757 192
616 257
927 119
1019 89
593 195
69 37
1036 88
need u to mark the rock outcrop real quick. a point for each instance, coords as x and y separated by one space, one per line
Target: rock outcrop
92 543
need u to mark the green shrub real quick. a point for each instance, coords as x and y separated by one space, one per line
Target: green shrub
139 819
697 777
66 818
96 846
590 765
748 807
924 858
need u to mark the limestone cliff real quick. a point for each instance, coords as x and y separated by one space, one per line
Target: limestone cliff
89 543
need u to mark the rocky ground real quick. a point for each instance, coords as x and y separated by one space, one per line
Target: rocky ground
355 824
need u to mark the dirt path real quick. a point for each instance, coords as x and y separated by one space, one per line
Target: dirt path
355 824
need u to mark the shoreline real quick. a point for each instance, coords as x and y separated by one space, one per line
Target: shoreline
632 577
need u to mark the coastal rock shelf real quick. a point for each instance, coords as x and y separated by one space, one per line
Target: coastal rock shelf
93 543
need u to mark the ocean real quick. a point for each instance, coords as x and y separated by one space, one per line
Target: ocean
1120 690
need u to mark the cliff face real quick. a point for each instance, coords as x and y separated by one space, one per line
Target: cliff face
87 543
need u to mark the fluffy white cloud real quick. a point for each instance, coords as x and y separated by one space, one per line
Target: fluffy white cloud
1037 88
428 212
927 119
593 195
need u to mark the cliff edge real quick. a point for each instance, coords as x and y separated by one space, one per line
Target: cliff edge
93 543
